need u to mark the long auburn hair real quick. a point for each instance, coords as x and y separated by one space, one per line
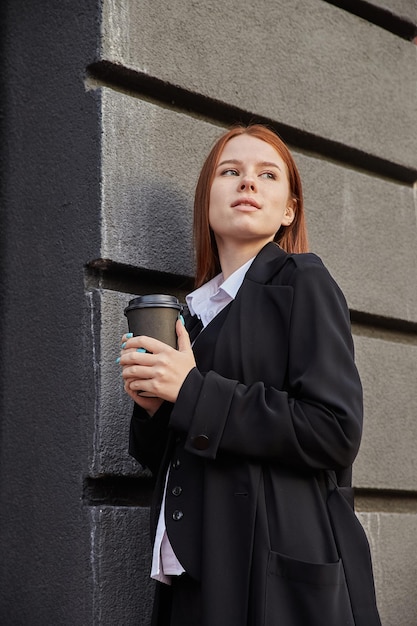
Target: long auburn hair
292 238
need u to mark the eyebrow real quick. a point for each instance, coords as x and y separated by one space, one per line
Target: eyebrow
261 163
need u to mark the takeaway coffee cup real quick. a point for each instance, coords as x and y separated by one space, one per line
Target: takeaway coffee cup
155 316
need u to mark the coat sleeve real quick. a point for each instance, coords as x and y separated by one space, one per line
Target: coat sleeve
316 421
148 436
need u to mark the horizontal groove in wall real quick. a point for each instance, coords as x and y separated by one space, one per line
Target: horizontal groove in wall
105 73
107 274
112 276
385 501
137 492
118 491
392 329
400 26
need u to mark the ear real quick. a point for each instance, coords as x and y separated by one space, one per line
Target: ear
289 214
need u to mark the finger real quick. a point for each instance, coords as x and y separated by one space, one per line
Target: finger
150 404
135 394
184 342
126 385
149 344
129 341
136 387
136 356
142 387
136 372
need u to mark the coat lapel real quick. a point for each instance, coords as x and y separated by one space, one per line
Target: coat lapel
239 347
267 263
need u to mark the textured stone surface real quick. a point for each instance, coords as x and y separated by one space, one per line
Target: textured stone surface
364 228
387 458
333 75
49 160
393 541
120 560
109 444
151 159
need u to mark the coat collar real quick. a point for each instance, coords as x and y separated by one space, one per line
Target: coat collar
267 263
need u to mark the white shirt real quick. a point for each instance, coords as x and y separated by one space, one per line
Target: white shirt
205 302
209 299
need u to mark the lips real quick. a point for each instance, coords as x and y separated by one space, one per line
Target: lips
246 202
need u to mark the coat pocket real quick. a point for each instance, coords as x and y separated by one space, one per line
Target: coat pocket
300 593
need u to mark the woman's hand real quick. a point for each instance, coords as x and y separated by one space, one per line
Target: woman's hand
154 368
150 404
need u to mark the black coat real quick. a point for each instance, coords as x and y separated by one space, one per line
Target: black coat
260 439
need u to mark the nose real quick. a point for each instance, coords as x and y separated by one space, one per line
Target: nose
247 183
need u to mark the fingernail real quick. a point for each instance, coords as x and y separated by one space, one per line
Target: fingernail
118 360
124 344
182 320
129 335
141 350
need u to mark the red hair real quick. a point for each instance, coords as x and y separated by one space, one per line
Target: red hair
292 238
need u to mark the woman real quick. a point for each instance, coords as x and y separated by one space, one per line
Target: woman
257 417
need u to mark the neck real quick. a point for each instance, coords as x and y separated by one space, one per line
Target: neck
232 257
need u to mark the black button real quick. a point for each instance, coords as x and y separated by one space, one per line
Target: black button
177 515
177 491
201 442
176 463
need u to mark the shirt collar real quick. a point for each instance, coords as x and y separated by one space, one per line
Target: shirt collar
232 284
213 288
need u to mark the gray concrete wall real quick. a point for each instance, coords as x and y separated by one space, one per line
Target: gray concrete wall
109 109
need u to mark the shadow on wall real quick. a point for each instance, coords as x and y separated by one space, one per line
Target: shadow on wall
156 231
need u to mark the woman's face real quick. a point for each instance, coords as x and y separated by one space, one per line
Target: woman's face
250 195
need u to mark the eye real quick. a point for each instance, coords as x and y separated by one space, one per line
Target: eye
230 172
269 175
